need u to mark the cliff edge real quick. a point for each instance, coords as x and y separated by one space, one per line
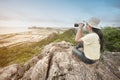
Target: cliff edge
56 62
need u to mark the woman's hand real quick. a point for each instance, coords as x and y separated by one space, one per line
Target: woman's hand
81 25
79 33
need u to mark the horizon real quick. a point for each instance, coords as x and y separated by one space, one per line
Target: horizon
57 13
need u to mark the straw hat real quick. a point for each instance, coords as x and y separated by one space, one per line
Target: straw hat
93 22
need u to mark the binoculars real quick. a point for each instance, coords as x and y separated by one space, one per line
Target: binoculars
77 25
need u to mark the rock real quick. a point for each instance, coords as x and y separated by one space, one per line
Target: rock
65 66
26 66
56 62
40 70
27 74
21 71
113 62
7 72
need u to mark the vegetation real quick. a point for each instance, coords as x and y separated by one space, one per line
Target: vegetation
22 53
112 38
68 36
111 35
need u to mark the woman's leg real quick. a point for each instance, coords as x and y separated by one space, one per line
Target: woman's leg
81 56
78 53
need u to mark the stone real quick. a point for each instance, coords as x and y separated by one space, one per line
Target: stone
56 62
40 69
7 72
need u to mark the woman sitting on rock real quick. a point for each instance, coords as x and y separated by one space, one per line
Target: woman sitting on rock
92 42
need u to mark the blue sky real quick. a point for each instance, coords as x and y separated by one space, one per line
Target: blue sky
57 13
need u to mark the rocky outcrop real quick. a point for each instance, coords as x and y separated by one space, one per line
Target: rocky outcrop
56 62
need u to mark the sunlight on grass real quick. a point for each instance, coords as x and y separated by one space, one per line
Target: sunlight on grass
22 53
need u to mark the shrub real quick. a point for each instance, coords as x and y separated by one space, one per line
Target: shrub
112 38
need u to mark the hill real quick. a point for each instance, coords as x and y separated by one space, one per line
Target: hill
56 62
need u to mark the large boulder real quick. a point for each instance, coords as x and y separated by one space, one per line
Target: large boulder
56 62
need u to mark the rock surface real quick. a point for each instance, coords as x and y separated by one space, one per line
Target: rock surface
56 62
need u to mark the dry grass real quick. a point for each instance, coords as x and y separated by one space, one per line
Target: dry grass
22 53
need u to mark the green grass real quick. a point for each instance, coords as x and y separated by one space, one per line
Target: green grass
17 54
22 53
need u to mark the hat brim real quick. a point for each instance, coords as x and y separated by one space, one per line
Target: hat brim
97 27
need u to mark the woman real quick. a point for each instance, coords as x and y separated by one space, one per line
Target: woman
92 42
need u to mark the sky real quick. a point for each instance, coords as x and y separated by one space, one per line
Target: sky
57 13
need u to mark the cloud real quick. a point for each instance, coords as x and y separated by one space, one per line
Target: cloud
19 16
4 18
49 20
111 20
9 17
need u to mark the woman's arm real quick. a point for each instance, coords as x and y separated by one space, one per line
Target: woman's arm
79 33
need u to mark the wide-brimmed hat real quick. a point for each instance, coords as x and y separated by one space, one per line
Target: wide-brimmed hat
93 22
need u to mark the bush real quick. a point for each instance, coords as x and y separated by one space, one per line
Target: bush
112 38
68 36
